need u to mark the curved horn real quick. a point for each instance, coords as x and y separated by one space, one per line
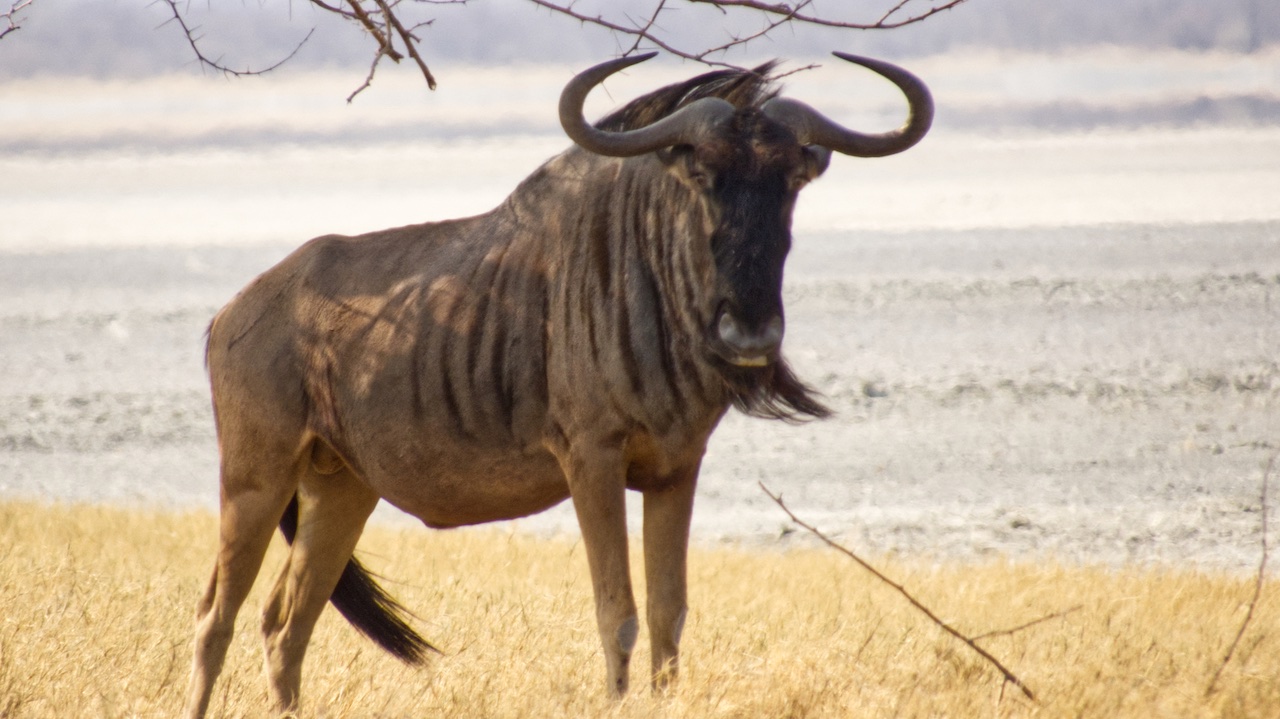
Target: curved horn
679 128
813 128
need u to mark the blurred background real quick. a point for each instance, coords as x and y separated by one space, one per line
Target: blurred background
113 133
1050 327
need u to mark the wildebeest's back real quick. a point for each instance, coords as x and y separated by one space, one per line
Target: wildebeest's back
411 351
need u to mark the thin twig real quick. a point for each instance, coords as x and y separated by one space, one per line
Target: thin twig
1009 676
776 14
894 10
600 21
334 9
882 24
384 28
646 32
648 26
1257 584
778 76
376 30
368 79
11 16
381 19
410 42
190 33
1028 625
736 40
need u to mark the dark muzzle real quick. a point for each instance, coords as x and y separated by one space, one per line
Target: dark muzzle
746 346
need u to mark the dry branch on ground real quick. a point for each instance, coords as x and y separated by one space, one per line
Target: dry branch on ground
971 642
1259 581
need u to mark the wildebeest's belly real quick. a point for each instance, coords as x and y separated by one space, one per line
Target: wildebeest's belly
461 486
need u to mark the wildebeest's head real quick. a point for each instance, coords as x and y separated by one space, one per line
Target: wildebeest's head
744 154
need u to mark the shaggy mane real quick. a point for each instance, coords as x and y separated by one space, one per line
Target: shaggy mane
742 88
774 392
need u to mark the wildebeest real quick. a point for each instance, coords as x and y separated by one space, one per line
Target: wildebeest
582 339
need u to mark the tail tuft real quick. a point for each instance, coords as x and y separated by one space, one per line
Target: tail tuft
367 606
377 615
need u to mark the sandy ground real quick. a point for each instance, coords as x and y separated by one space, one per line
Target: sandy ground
1102 393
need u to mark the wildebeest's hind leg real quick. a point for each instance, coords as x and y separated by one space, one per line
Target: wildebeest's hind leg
253 500
331 512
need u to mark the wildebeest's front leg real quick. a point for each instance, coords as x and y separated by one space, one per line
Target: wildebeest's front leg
597 483
667 513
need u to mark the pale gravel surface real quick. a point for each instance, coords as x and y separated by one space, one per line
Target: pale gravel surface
1098 394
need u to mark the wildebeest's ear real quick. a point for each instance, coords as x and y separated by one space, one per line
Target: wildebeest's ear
817 158
681 162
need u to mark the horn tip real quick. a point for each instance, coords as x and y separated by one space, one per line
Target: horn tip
636 59
848 57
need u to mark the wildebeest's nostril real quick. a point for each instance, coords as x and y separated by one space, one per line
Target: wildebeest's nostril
752 348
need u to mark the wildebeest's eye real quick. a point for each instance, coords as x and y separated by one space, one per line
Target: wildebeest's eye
815 161
701 178
797 181
681 160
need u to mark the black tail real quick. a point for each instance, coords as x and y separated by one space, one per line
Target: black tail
368 607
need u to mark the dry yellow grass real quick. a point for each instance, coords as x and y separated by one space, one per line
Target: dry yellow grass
96 612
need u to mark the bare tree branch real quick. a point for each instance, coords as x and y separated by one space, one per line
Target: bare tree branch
392 26
368 80
410 42
385 26
377 30
657 10
884 23
601 21
646 32
1009 676
11 18
334 9
1257 585
190 32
